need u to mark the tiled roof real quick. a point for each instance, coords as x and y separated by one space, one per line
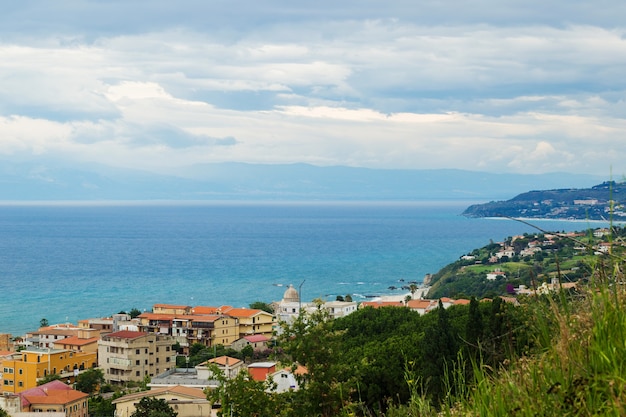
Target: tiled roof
255 338
54 392
221 360
75 340
125 334
244 312
172 306
155 392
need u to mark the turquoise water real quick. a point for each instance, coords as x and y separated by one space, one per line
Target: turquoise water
69 262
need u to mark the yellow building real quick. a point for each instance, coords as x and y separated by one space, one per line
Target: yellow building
24 370
187 402
252 321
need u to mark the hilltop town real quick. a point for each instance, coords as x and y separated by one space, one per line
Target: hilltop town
182 353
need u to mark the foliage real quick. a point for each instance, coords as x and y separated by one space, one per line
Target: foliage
3 413
89 380
101 407
49 378
242 396
134 312
260 305
43 322
153 407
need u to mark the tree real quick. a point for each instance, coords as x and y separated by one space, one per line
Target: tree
134 312
3 413
153 407
242 396
260 305
101 407
49 378
247 352
43 322
90 380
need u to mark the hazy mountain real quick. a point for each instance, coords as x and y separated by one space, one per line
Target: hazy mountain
55 181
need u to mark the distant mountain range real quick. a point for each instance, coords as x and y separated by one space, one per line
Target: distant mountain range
47 181
600 202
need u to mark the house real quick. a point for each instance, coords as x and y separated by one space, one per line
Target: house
286 380
55 397
171 309
78 344
187 329
260 370
338 309
28 366
131 356
45 337
252 321
257 341
229 366
422 306
185 401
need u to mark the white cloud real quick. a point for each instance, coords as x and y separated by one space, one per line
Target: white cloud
363 86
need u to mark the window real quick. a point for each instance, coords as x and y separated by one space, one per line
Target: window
136 351
137 362
20 384
20 371
137 373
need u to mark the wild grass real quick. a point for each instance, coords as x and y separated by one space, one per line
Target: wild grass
576 368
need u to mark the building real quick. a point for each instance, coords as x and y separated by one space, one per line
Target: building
229 366
185 401
187 329
259 371
55 397
338 309
252 321
257 341
32 364
131 356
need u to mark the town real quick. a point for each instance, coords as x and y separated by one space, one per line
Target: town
156 354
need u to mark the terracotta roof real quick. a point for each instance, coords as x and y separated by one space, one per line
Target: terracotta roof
177 389
125 334
210 310
221 360
54 392
76 341
461 301
255 338
421 304
244 312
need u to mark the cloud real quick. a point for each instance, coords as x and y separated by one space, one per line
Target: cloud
497 86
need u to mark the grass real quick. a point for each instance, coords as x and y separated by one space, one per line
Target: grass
577 368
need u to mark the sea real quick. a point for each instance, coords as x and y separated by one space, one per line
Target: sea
70 261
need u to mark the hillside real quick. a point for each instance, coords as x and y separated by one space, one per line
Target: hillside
521 264
593 203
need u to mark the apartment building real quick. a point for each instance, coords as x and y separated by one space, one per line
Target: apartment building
24 369
252 321
131 356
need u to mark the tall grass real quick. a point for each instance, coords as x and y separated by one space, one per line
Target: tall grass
576 368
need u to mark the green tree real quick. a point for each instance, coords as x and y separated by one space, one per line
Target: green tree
43 322
153 407
101 407
242 396
260 305
90 380
134 312
49 378
439 350
3 413
312 342
247 352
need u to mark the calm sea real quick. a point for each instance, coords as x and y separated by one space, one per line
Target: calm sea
69 262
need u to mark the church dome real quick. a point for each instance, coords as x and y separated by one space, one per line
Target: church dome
291 295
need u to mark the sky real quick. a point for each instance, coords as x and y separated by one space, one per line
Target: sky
484 85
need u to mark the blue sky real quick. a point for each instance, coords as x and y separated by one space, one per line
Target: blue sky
515 86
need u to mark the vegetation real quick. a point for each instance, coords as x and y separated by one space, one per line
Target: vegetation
153 407
558 353
90 380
